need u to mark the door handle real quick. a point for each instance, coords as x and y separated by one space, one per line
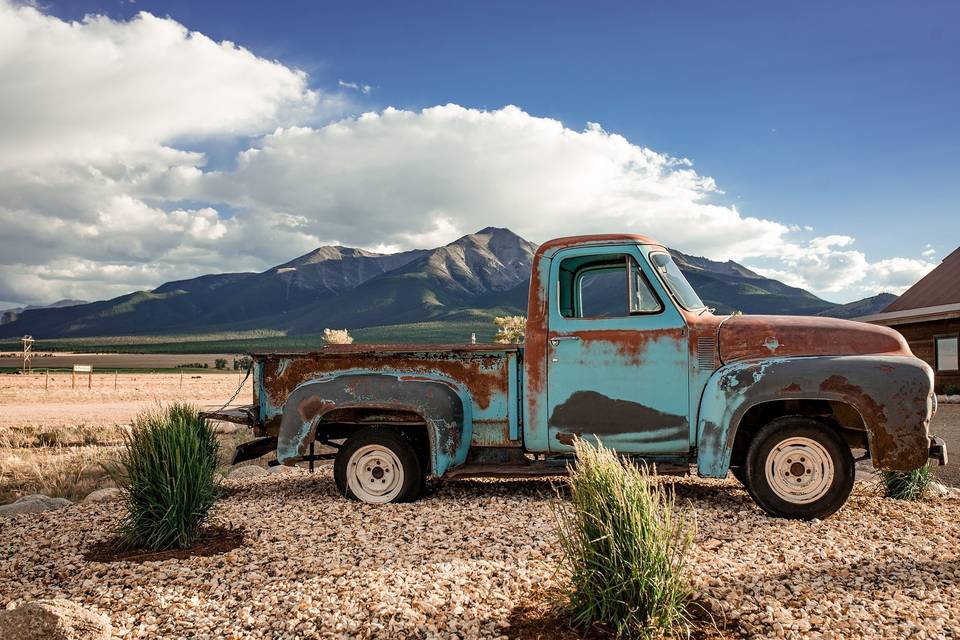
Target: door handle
556 341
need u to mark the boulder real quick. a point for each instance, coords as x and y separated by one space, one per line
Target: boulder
34 503
103 495
53 620
247 471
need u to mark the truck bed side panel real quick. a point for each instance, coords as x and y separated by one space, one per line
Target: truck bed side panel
486 377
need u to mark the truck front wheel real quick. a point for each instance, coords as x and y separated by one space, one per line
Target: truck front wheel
798 467
378 465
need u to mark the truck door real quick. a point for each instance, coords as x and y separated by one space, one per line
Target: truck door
617 357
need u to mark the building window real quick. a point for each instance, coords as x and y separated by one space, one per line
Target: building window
947 353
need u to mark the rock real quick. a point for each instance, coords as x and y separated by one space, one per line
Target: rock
938 490
283 469
226 428
34 503
247 471
53 620
103 495
954 399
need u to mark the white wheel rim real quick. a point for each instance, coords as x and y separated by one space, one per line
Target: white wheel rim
799 470
374 474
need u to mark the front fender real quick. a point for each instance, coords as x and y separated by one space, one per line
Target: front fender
442 404
891 393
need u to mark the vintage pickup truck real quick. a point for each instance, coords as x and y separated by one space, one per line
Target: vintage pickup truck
618 349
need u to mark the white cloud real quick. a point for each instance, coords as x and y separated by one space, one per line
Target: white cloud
100 195
826 265
928 251
394 178
92 113
365 89
98 87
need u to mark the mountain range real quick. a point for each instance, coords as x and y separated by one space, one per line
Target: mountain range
474 278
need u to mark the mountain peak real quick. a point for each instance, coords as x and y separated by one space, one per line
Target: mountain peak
327 253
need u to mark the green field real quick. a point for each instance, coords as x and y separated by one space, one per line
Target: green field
418 333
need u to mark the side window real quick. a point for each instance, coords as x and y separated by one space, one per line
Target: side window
604 286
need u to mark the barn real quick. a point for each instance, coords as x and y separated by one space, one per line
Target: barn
928 316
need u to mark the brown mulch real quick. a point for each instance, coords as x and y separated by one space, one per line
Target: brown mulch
539 617
211 541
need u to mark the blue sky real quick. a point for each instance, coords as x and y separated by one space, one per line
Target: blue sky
841 117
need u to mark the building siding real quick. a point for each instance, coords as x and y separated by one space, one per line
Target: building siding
920 336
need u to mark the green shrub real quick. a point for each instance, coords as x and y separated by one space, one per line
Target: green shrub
168 472
952 390
907 485
624 547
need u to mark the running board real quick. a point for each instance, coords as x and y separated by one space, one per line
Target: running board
532 470
547 468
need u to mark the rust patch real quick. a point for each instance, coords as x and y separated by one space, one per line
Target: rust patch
483 374
883 443
629 343
313 407
745 337
792 387
598 238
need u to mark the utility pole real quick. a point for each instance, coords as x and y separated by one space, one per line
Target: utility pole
27 353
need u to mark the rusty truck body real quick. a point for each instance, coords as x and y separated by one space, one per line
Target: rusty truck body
619 349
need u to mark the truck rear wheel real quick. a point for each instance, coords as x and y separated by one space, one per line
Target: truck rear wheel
378 465
800 468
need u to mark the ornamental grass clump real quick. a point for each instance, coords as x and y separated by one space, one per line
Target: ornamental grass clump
907 485
624 547
168 472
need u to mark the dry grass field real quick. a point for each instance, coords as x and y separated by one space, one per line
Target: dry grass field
55 437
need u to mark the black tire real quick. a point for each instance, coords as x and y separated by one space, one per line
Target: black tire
377 440
740 473
818 494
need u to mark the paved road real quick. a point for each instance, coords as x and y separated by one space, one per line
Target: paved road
946 424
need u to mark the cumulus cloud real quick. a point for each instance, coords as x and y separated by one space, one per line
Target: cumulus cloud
828 265
397 177
105 191
98 87
94 110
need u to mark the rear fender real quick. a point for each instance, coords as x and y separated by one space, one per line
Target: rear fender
444 406
891 393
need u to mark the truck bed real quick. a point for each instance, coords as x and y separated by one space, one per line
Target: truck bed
486 377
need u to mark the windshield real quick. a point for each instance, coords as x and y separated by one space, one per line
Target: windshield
670 273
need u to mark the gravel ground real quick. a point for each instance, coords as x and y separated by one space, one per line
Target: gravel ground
455 564
946 424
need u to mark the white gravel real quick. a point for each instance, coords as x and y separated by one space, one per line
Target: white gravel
456 563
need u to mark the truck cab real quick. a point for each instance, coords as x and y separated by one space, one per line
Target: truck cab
619 350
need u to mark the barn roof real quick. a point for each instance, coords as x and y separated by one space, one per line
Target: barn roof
940 286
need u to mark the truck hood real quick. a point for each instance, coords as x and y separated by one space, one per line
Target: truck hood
747 337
